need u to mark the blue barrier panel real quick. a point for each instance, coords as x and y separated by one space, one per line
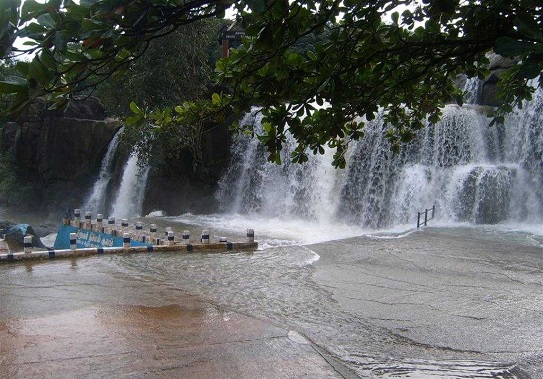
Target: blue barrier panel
89 238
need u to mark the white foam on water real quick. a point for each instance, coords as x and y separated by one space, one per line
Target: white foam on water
273 231
473 174
157 213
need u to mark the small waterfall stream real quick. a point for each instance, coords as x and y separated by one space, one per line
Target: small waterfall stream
96 202
473 173
131 193
128 200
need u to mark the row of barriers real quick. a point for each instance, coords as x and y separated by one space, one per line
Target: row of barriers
136 232
83 237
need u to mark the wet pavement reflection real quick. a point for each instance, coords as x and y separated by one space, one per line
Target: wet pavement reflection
84 319
441 303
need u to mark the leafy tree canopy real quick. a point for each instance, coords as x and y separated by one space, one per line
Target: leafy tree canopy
400 56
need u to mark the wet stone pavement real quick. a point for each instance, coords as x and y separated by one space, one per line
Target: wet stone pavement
440 303
82 319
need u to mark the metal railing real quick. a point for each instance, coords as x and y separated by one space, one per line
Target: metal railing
426 218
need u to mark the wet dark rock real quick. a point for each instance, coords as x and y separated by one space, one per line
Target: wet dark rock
497 65
15 237
89 108
59 152
43 230
5 225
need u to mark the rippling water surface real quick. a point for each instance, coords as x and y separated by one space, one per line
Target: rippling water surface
439 303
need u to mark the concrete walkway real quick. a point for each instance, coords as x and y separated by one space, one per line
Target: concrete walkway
90 323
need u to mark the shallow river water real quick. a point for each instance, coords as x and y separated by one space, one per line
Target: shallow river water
437 303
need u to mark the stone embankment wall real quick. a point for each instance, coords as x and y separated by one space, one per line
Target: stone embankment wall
59 152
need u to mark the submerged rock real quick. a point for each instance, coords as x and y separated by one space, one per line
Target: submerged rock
15 237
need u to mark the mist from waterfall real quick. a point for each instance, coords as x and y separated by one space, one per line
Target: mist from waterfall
129 199
96 202
473 173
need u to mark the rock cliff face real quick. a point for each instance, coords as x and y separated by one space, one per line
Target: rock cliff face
59 152
498 65
178 188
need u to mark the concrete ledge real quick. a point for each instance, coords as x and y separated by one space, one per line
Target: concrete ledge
177 248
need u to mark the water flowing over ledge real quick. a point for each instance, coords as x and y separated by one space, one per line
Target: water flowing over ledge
473 174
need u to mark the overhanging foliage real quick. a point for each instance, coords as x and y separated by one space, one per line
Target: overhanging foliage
398 55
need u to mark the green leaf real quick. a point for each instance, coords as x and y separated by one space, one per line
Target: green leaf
258 6
23 67
39 70
133 120
89 24
46 21
216 99
528 26
32 9
88 3
32 30
134 108
13 84
395 17
48 60
509 47
529 70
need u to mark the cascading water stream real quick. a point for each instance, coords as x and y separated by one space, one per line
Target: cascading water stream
471 172
96 202
131 193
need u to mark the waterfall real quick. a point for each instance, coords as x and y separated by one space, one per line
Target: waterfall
471 172
96 202
130 196
253 185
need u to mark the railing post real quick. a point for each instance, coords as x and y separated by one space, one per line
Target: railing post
27 244
425 217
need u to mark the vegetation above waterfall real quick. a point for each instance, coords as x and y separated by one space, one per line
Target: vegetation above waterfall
177 68
398 55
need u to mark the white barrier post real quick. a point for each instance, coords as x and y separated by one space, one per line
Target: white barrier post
250 235
27 244
152 233
88 222
73 241
77 218
186 236
111 225
205 236
139 230
100 222
167 230
4 247
170 238
126 240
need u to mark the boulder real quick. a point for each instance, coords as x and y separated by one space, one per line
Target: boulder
15 237
4 226
497 64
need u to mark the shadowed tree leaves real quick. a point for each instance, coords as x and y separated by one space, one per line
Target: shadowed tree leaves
395 57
